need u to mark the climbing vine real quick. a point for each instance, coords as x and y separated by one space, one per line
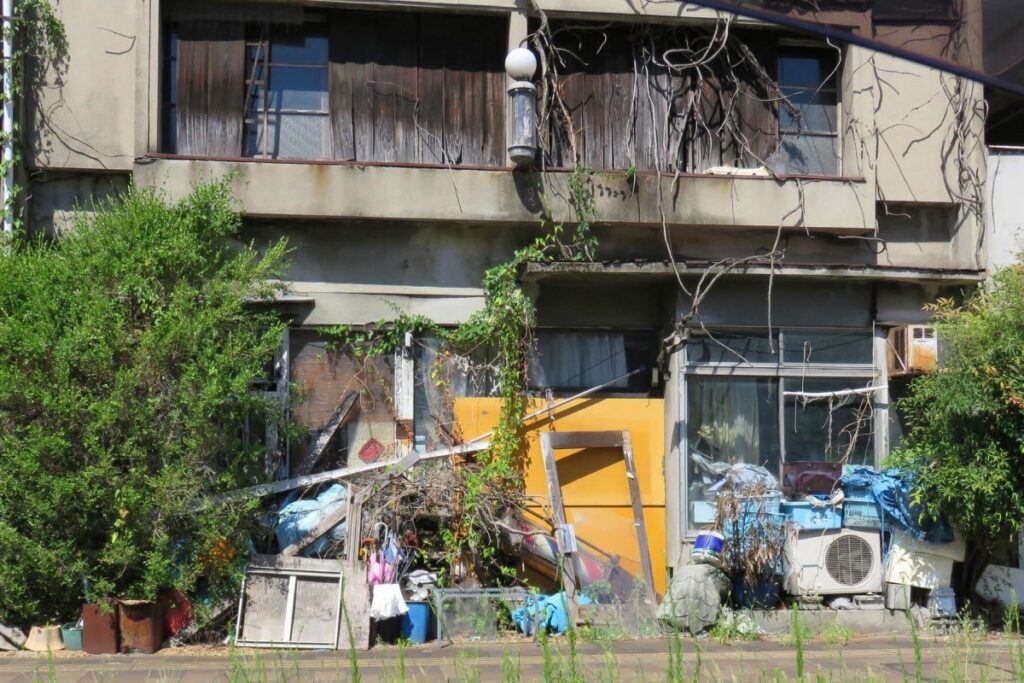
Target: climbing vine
502 330
36 33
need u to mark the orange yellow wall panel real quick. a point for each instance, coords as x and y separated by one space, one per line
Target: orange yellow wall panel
594 485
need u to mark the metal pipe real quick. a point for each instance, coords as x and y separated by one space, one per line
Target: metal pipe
8 118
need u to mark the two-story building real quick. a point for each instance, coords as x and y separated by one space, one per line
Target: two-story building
767 206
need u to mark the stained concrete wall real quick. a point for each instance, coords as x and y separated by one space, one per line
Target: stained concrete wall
83 116
421 238
1005 237
57 201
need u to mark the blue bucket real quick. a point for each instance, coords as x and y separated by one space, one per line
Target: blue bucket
707 548
415 624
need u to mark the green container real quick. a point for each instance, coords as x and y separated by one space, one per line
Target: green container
72 636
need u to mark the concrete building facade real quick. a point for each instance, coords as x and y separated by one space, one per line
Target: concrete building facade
742 280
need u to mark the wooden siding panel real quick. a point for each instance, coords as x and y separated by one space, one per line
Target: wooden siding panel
343 79
406 88
430 88
211 88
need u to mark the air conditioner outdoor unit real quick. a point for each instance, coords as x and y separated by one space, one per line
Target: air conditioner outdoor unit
912 349
840 561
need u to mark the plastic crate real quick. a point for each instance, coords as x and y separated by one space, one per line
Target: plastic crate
862 513
857 492
702 512
808 516
751 524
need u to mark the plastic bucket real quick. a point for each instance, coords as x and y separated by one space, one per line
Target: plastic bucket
72 636
414 625
707 548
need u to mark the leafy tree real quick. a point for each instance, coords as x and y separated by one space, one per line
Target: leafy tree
127 351
966 419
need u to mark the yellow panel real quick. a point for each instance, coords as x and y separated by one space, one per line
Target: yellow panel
594 485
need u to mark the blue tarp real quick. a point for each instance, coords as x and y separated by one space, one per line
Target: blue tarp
891 488
298 518
552 610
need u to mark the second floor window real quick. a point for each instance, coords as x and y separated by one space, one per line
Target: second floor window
286 115
808 129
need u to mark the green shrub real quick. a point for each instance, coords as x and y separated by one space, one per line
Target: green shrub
127 351
966 419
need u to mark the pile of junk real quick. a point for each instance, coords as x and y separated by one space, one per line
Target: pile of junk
828 536
361 559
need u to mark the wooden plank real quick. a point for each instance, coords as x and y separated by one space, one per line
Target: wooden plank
430 88
619 63
455 87
593 107
339 418
342 77
404 53
495 145
638 520
211 88
361 36
355 619
560 440
470 65
383 85
326 524
568 563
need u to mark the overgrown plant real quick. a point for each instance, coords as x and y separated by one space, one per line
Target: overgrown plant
501 331
127 352
966 419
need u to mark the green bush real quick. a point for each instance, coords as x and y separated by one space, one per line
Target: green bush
966 438
127 351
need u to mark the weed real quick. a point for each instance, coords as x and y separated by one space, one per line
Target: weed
836 634
916 639
510 668
797 633
734 626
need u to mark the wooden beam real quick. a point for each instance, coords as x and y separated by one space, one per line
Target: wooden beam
325 525
566 561
563 440
339 418
261 490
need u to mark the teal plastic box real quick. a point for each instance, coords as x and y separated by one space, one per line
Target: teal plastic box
808 516
862 513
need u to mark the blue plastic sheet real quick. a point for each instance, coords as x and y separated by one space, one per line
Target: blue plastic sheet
891 488
298 518
552 611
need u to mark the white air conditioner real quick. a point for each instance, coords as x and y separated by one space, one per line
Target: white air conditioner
839 561
912 349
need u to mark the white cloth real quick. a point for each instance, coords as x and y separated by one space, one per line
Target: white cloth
387 601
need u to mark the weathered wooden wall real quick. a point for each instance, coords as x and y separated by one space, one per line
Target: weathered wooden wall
628 110
404 87
418 87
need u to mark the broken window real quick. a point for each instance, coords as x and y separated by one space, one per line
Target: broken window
765 399
808 139
286 115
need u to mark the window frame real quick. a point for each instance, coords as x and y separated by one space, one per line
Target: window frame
258 119
872 373
809 47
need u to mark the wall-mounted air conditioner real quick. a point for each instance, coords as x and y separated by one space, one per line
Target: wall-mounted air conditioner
912 349
839 561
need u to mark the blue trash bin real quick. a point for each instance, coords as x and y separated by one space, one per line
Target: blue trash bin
414 625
